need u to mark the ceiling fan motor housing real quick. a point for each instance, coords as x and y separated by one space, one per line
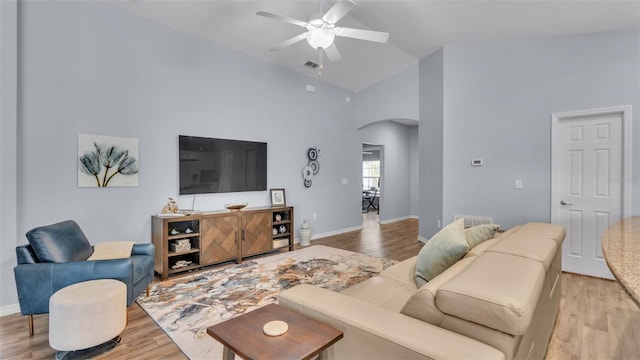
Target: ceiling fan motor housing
320 35
320 38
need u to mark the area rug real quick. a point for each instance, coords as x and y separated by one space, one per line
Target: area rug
185 307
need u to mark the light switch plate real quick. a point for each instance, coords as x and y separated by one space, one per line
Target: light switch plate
517 184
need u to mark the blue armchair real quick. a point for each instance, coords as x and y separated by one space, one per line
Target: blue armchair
57 257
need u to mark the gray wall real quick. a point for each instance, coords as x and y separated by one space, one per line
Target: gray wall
395 168
89 68
392 98
431 143
414 169
498 101
8 146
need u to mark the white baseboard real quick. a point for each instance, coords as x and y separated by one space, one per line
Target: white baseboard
336 232
422 238
388 221
9 309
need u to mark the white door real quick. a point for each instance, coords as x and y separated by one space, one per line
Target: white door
589 164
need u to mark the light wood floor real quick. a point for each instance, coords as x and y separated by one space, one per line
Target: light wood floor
596 319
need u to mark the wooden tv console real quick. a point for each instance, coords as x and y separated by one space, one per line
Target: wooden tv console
208 238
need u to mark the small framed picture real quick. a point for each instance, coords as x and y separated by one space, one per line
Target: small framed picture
277 197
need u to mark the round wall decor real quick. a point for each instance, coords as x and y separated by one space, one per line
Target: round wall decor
312 154
307 173
315 166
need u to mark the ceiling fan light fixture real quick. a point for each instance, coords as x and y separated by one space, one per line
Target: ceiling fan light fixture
320 38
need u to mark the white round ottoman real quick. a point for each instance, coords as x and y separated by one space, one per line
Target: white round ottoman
87 314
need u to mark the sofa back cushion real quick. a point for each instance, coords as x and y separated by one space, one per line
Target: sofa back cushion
441 251
60 242
544 231
497 290
422 304
542 250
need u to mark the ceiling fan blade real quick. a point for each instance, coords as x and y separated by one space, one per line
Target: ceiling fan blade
338 11
283 18
289 42
332 53
370 35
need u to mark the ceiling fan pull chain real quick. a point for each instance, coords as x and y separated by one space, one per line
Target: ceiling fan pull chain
320 62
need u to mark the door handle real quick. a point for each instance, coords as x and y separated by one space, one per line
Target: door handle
562 202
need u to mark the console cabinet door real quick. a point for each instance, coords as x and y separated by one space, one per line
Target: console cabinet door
257 236
219 239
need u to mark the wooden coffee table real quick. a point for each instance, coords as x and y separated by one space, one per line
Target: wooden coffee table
243 335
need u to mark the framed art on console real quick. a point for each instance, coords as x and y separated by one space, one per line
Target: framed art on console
277 197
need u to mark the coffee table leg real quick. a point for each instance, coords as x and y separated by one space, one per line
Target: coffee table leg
227 354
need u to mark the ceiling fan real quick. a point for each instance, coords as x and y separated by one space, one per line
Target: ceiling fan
322 30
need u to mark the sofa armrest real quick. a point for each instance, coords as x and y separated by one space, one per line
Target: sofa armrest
372 332
37 282
143 249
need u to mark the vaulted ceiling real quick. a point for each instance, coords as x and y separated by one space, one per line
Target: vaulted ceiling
417 28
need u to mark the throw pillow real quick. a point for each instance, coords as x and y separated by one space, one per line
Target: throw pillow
59 243
480 233
441 251
111 250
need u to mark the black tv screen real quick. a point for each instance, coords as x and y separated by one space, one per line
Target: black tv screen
210 165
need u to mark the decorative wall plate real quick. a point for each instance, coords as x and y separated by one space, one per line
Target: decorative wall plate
307 173
315 166
312 154
307 183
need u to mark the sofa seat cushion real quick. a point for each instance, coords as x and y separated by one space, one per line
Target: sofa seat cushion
403 271
59 243
542 250
497 290
382 291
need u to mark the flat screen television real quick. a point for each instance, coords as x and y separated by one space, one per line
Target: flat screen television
209 165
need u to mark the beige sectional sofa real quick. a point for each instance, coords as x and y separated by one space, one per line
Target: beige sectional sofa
499 301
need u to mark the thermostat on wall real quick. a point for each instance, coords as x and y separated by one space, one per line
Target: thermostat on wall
476 162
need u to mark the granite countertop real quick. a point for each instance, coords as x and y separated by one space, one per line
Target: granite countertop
621 248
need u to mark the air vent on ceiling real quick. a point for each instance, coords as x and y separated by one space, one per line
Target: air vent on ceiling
311 64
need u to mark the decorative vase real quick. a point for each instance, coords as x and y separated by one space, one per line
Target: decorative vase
305 233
